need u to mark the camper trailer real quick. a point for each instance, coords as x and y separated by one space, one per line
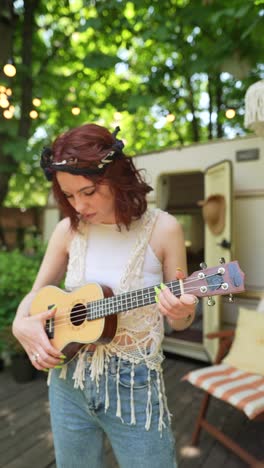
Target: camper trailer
216 190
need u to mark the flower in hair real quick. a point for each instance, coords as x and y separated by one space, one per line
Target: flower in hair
107 159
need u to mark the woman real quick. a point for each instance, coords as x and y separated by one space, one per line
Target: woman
108 236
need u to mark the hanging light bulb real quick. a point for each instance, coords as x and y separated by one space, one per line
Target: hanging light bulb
33 114
9 68
76 110
4 103
36 102
230 113
8 114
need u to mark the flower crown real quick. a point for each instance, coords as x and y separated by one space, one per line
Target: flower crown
77 166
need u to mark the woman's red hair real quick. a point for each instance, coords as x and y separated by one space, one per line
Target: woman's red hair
90 143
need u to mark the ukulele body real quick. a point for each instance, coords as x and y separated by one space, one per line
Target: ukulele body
69 330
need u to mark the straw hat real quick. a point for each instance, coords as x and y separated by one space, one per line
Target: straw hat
213 209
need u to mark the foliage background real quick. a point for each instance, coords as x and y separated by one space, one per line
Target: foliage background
17 272
136 63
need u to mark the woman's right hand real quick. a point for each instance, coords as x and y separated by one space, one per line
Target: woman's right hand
30 332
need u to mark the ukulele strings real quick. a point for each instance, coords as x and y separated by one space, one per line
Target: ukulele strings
82 312
108 307
119 297
93 315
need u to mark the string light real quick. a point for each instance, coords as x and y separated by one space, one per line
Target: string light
4 103
9 68
36 102
8 91
76 110
33 114
230 113
8 114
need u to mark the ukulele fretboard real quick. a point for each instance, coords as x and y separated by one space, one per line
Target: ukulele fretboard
126 301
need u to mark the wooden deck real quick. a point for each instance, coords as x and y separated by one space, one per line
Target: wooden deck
26 439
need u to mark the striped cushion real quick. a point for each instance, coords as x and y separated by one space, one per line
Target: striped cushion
241 389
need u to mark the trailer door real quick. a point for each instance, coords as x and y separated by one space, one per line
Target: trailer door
218 180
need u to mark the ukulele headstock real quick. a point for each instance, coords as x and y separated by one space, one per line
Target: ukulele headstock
226 278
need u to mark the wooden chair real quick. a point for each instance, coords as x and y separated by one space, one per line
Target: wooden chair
202 379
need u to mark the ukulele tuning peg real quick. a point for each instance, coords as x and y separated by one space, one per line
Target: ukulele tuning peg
231 298
203 265
222 260
210 301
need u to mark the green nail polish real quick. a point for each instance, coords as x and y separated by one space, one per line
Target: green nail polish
62 356
156 299
162 286
58 367
157 290
45 370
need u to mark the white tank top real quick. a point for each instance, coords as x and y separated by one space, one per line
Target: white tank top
108 252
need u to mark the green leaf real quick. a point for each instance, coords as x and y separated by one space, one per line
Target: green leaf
16 148
101 61
141 58
94 23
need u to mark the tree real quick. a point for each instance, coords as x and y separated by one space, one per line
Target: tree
164 71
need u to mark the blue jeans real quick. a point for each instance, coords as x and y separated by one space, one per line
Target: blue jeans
79 421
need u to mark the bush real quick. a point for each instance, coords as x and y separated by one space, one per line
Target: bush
17 274
9 343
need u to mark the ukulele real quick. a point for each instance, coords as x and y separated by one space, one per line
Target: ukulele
89 314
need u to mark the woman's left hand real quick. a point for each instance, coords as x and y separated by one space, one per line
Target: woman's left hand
179 311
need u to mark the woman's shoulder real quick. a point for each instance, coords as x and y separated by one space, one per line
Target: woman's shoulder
167 232
64 232
63 226
167 223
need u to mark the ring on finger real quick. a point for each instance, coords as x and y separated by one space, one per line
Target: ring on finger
196 301
35 357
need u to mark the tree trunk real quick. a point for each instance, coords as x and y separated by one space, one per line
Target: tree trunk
7 20
26 78
7 26
195 123
24 124
210 108
219 126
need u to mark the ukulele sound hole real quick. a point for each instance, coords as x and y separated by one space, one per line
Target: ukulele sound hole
78 314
